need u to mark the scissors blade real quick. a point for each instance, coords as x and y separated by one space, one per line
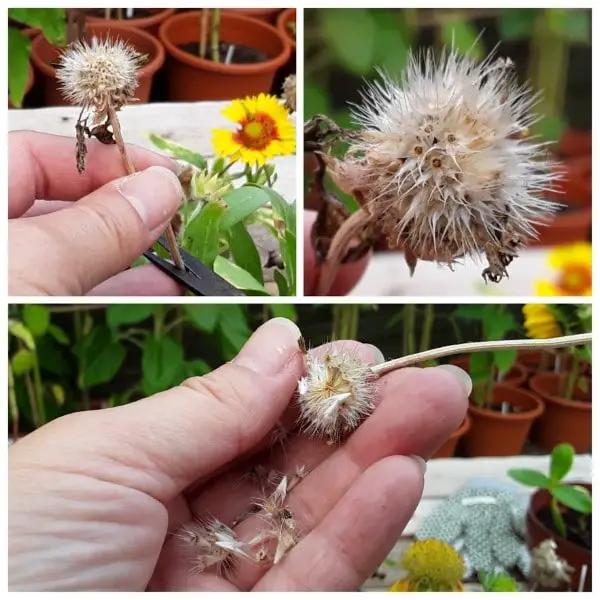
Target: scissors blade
197 277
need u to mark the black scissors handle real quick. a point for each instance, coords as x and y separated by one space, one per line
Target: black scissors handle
197 277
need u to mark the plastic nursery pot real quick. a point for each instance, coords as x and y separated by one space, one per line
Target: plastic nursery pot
45 56
192 78
536 532
283 19
575 142
149 22
563 421
516 375
268 15
494 433
448 448
30 82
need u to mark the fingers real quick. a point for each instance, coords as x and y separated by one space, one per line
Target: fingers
348 275
71 251
43 167
145 280
358 533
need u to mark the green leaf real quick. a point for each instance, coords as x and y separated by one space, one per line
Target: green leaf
480 365
530 478
19 48
178 151
286 211
282 285
53 358
234 329
195 368
23 361
549 128
393 41
52 21
202 234
237 277
127 314
204 316
573 24
59 393
217 166
516 23
574 497
561 461
316 100
102 357
241 203
244 251
288 253
288 311
19 330
463 37
162 361
469 311
497 322
36 318
504 360
351 35
58 334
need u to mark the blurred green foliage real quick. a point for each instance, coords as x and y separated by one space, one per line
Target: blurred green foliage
343 47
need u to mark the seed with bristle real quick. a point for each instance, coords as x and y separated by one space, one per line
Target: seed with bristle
98 75
335 396
443 163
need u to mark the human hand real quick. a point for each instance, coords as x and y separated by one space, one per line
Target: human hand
348 274
93 495
82 232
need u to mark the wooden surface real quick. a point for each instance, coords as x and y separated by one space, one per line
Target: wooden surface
448 475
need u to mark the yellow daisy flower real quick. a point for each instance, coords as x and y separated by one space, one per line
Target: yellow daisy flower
574 266
264 130
540 322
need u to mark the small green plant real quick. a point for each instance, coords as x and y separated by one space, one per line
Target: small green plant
574 497
498 582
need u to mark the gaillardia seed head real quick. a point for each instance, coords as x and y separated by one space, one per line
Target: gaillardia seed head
335 395
443 162
98 75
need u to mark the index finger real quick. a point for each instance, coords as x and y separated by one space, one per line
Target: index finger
43 167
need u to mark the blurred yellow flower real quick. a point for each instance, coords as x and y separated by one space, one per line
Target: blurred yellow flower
264 130
540 322
574 266
431 566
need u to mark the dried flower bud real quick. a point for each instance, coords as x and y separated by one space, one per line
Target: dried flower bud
289 92
334 396
442 162
99 75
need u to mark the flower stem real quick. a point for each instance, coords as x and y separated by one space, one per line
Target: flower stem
12 402
214 34
130 170
419 357
572 378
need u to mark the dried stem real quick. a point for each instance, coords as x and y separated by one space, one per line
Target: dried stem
406 361
120 14
204 16
130 169
339 246
214 34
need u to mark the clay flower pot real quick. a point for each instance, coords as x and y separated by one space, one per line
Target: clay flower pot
538 361
536 532
30 82
285 17
493 433
192 78
448 448
575 142
149 23
563 421
516 375
45 56
268 15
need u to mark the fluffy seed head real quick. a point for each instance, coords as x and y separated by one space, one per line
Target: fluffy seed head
101 74
443 162
334 396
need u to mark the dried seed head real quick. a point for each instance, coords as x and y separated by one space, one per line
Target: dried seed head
99 75
289 92
443 161
334 396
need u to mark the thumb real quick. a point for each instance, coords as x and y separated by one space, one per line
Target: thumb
71 251
164 443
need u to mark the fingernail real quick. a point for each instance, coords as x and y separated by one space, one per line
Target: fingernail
270 347
421 462
155 194
378 357
461 375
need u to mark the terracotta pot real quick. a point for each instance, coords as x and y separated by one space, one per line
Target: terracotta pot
537 532
44 56
575 188
516 375
192 78
575 142
495 434
563 421
448 448
151 23
30 82
285 17
565 228
538 361
268 15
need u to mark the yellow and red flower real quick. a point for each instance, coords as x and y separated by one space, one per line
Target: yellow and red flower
264 130
574 266
540 321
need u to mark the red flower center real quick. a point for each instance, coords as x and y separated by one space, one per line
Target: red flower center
256 131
